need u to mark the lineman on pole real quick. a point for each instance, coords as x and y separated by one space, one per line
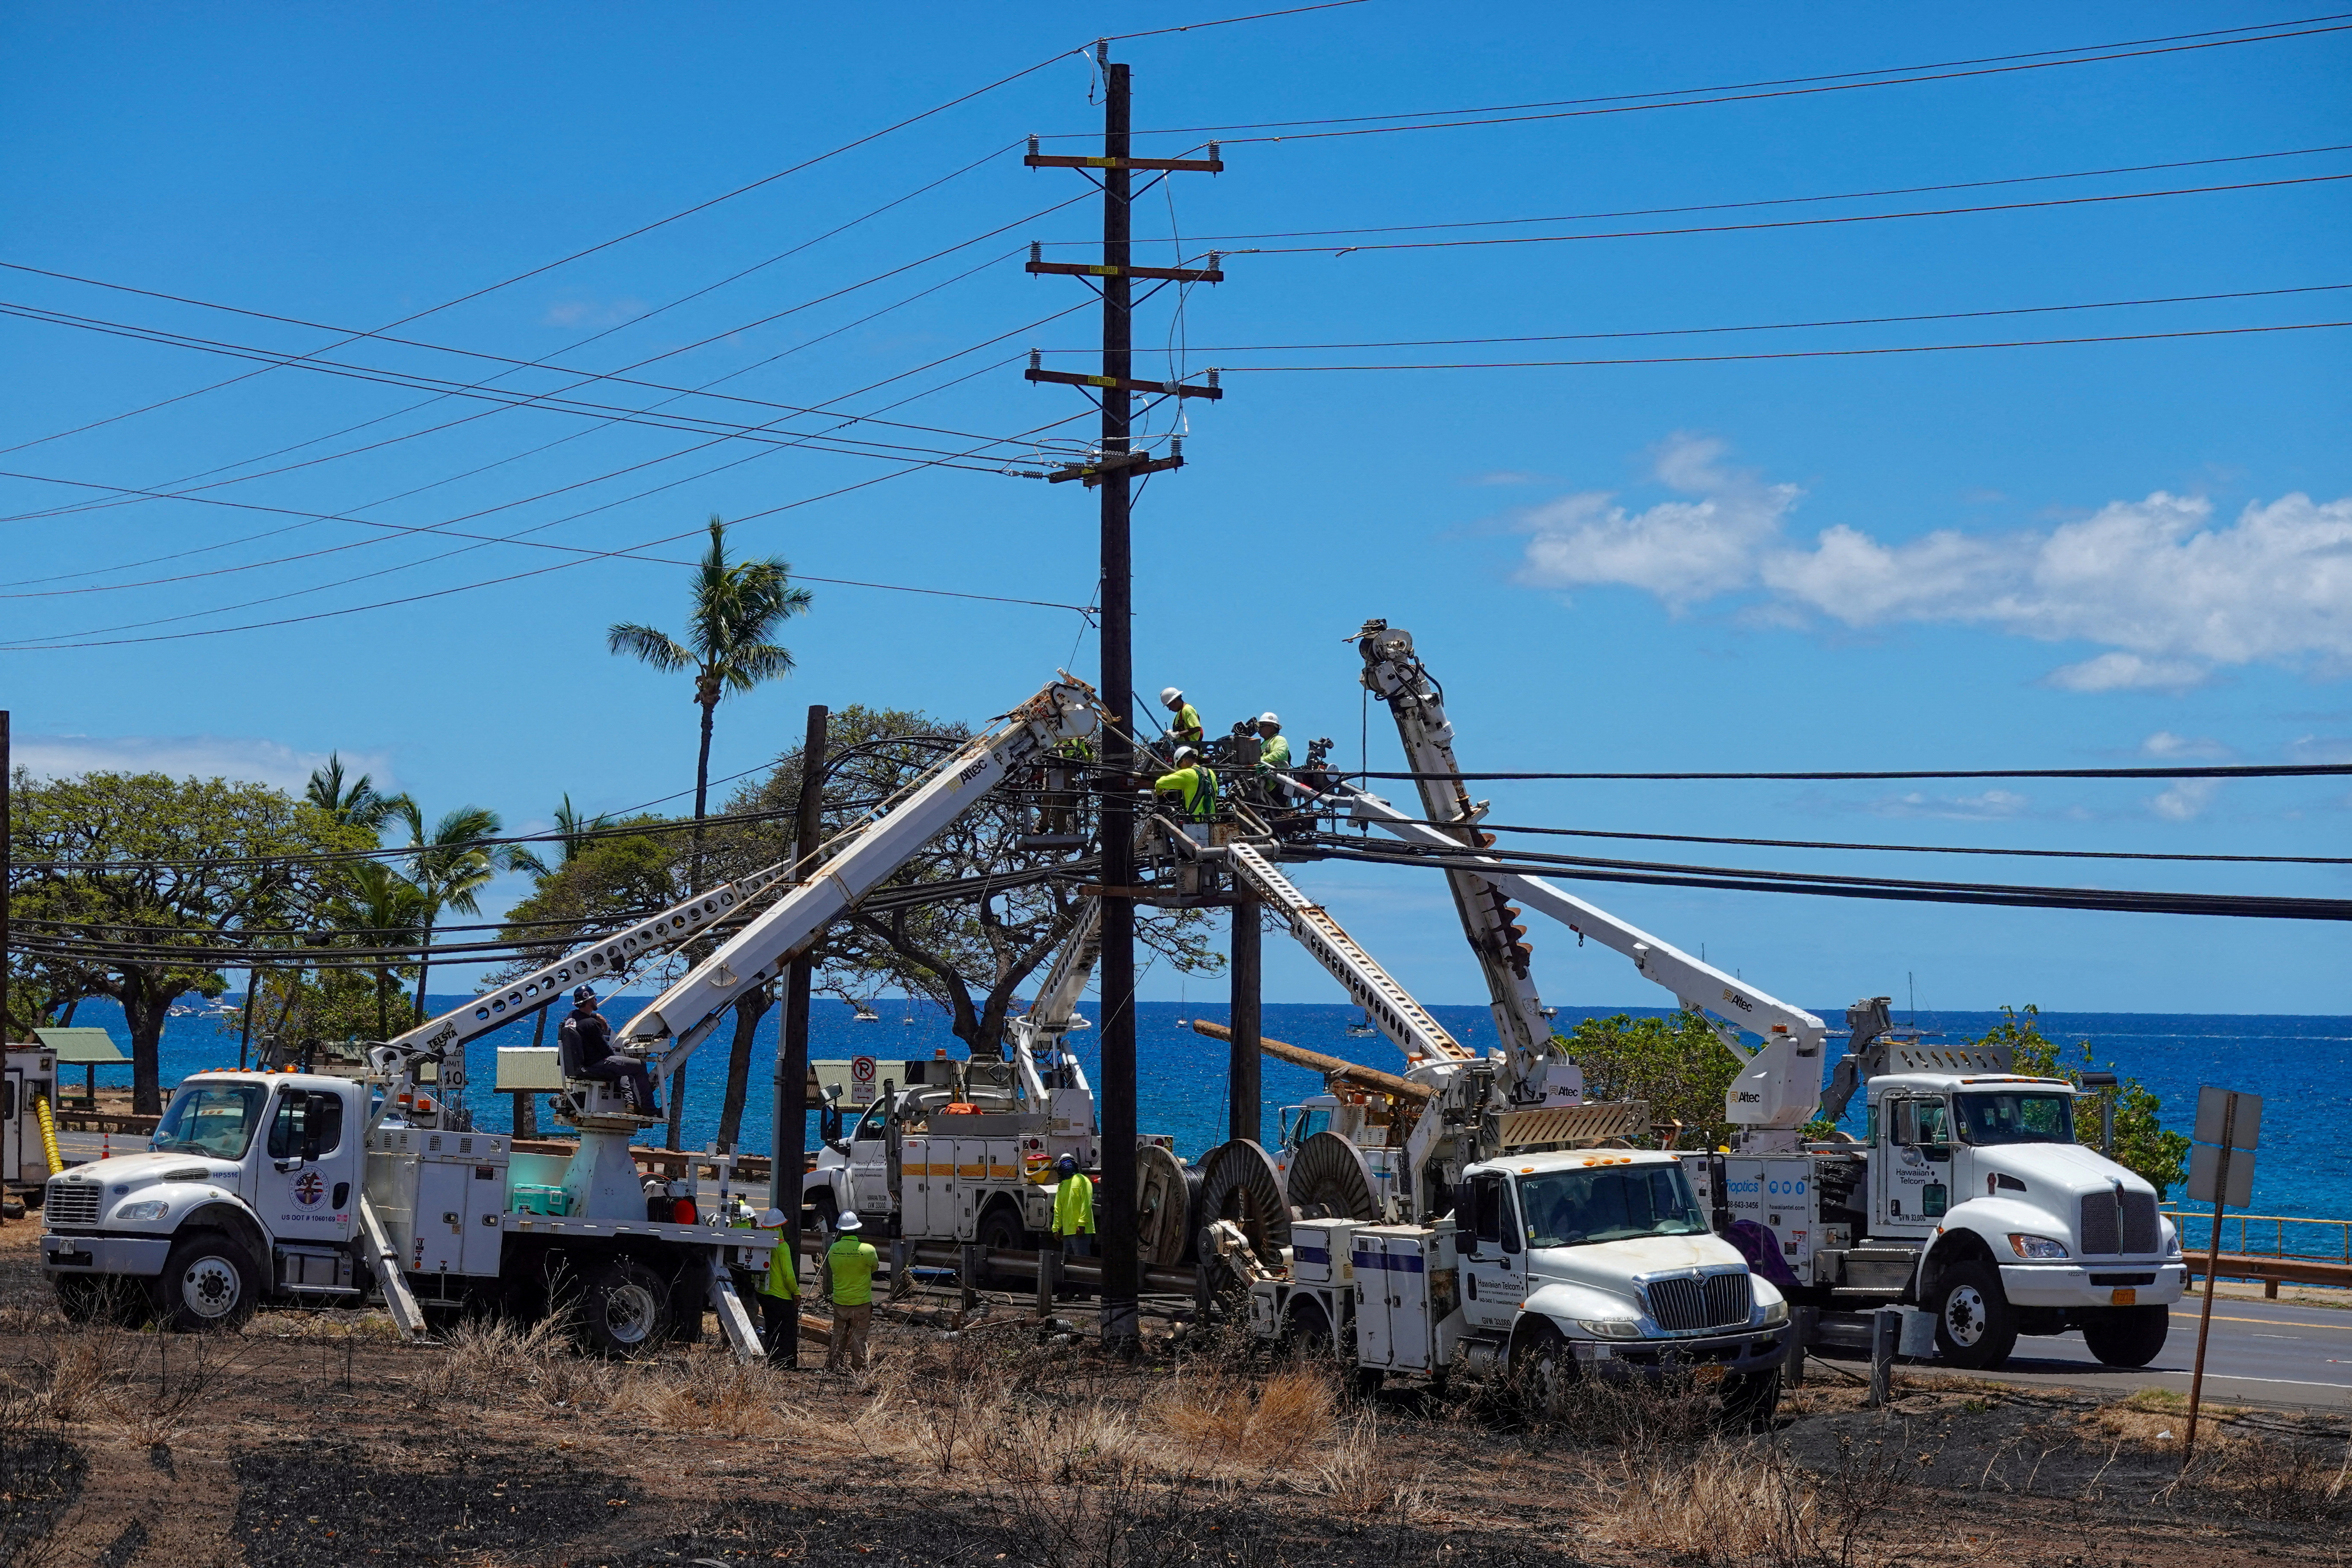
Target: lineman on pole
1184 726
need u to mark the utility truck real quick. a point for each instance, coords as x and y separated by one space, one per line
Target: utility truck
309 1187
1967 1202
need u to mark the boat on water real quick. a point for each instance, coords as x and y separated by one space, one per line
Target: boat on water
864 1014
1362 1026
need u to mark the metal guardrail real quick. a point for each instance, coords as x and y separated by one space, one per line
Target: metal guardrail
2266 1234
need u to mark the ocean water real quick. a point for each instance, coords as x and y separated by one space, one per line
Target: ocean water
2301 1065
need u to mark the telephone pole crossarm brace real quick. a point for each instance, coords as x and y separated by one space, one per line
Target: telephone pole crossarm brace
1111 471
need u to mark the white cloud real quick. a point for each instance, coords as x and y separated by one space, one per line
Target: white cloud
2185 799
1993 805
2165 743
185 756
2128 673
2154 579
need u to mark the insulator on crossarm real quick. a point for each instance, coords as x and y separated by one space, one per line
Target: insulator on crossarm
1176 446
1033 146
1213 378
1036 359
1036 250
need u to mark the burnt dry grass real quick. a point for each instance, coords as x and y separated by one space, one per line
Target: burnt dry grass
317 1440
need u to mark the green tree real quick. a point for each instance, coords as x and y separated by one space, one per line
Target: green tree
1676 1063
735 608
358 803
158 870
452 863
383 909
2142 1145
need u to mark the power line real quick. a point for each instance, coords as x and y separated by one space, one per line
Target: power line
1726 87
1761 202
2217 771
1762 326
1791 222
1812 354
1654 874
1485 826
1892 77
577 255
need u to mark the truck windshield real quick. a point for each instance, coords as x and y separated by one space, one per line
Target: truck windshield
1571 1208
215 1119
2012 1117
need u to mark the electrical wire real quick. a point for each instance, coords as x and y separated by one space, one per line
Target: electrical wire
1841 81
1760 202
1485 826
1763 326
1654 874
1808 353
2217 771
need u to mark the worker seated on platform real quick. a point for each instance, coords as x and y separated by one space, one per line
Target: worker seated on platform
1192 787
583 1049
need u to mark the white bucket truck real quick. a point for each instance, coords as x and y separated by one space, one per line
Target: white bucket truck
290 1184
1968 1202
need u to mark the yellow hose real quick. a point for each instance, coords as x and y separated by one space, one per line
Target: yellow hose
49 1133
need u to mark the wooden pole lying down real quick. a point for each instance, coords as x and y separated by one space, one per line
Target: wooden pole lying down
1362 1077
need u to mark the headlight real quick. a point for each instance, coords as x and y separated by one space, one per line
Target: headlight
1611 1328
1775 1312
2171 1240
2038 1248
146 1208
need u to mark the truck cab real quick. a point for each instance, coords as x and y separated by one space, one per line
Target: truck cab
2015 1227
1606 1258
250 1187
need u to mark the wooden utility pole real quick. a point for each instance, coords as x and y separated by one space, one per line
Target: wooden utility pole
1111 469
1241 1067
784 1168
7 869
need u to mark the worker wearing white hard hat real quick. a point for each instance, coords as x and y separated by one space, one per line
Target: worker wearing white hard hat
1273 745
1192 782
849 1265
1184 729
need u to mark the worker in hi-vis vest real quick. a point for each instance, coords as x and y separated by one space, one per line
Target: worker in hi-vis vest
1074 1211
1193 784
1185 728
850 1265
1273 745
780 1291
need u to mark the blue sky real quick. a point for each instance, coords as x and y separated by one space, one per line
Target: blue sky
2052 556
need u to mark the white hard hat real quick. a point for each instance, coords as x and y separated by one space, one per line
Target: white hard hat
1269 718
1170 696
770 1219
1186 755
848 1221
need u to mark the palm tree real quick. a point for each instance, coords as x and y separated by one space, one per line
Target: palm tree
389 907
362 804
453 865
736 608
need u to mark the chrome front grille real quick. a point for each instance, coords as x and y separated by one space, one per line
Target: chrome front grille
2115 1223
71 1203
1711 1301
2141 1233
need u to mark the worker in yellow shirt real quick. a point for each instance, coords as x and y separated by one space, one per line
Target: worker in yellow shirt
1193 784
1185 728
849 1265
1074 1211
779 1295
1273 745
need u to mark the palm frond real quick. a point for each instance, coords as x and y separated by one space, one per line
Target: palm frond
649 646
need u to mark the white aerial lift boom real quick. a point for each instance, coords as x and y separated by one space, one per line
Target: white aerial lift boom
1778 1087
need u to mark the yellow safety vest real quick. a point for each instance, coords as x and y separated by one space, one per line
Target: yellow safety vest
784 1272
1187 726
1273 753
853 1263
1195 787
1074 1207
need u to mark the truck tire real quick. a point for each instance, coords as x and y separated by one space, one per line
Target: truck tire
624 1310
208 1282
1542 1366
1750 1399
2127 1336
1975 1325
823 1211
112 1299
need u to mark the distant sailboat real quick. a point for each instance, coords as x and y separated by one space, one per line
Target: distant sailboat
1363 1025
865 1014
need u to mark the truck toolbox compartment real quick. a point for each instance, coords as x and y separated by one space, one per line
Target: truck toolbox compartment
1880 1267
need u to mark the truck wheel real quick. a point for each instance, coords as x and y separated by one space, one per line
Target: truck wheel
1543 1367
207 1283
1750 1398
2127 1336
1309 1330
102 1299
1975 1325
823 1210
1001 1230
624 1310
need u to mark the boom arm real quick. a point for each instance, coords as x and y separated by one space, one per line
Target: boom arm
683 1017
1397 678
